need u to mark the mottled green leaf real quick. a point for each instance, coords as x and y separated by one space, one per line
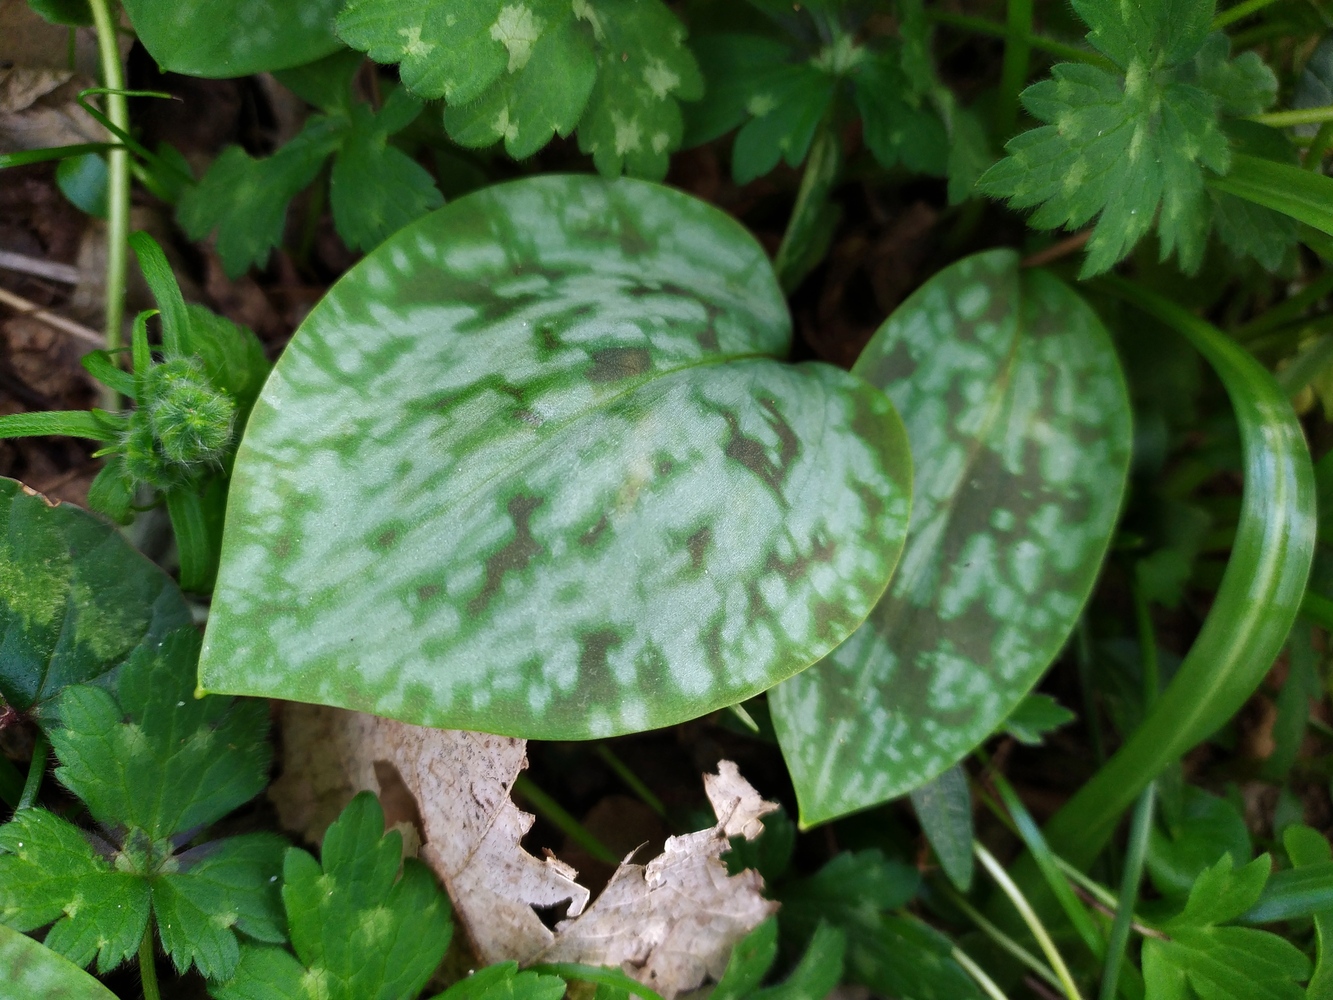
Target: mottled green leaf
34 972
522 72
532 468
76 599
1019 425
220 38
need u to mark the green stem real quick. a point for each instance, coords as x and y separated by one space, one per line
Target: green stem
1061 50
148 965
1030 918
631 780
118 183
800 250
1256 601
977 973
1135 852
554 813
11 783
1014 72
1296 116
36 771
1152 674
1284 312
1024 957
1239 12
1314 156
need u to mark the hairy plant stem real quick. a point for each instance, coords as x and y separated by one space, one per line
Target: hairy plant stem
36 771
1135 852
147 965
118 183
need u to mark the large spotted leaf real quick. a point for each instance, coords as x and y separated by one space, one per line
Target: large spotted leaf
220 38
76 599
533 468
1019 424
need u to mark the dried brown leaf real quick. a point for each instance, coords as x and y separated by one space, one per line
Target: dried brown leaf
669 923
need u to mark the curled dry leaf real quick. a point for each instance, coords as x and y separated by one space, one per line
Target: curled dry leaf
669 923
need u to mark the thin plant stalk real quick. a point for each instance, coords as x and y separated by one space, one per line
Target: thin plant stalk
118 182
1239 12
1061 50
1014 72
36 771
1021 954
551 810
147 965
977 973
631 780
1295 116
1135 852
822 164
1030 918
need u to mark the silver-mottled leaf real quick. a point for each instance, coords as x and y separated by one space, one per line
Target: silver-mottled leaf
531 468
1019 425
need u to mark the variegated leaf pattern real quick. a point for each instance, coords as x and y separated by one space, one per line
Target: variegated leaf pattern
1019 424
76 600
532 468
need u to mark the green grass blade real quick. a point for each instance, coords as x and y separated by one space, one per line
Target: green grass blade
1050 870
1302 194
1135 853
1258 599
166 292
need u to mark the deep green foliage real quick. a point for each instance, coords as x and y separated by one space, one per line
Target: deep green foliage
374 187
1223 962
153 765
359 927
614 70
1133 144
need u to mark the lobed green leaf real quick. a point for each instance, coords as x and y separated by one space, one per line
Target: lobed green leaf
1017 413
156 758
532 468
523 72
76 600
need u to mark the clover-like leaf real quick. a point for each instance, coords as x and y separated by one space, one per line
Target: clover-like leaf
532 468
76 599
363 922
523 72
223 38
155 757
1019 424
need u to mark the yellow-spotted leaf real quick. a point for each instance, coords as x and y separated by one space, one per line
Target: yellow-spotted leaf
533 467
76 599
1018 420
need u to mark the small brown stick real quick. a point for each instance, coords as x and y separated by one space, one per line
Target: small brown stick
65 273
26 308
1057 250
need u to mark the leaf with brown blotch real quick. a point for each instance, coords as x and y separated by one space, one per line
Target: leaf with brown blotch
669 923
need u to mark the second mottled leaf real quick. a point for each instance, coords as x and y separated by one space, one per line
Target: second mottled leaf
1019 425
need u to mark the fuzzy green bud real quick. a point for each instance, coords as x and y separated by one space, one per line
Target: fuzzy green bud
191 420
143 457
